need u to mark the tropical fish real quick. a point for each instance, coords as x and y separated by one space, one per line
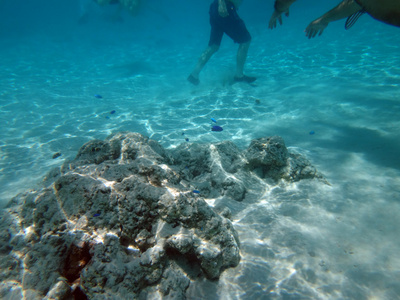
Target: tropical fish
98 96
216 128
187 139
112 112
312 132
96 215
212 119
196 191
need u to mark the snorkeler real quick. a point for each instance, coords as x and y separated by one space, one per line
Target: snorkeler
224 19
131 5
386 11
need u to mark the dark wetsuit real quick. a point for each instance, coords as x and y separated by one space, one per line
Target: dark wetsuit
232 25
391 17
358 2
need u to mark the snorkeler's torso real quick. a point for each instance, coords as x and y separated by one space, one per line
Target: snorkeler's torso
387 11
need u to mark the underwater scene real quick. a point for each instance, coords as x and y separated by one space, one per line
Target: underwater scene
122 179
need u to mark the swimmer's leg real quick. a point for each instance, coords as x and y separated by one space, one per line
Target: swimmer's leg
240 61
203 59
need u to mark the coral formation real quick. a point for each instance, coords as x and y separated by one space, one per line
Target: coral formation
121 220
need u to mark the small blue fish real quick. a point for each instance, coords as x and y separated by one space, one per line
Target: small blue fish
107 117
112 112
212 119
312 132
196 191
187 139
183 133
98 96
216 128
96 215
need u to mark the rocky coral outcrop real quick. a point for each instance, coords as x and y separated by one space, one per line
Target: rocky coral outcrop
128 219
268 157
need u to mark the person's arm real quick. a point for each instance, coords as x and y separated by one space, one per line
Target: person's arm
222 10
343 10
280 6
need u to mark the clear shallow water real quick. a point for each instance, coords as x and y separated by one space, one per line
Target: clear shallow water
298 240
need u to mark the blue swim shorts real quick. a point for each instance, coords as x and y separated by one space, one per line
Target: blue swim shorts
232 25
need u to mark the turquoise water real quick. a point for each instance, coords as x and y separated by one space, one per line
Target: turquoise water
305 240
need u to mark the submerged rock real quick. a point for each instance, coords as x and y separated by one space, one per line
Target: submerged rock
121 221
268 154
268 157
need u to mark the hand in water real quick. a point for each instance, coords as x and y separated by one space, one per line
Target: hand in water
276 16
314 28
223 12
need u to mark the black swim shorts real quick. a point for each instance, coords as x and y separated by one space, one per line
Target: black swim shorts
232 25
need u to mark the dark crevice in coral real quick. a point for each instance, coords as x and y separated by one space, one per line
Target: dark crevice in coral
78 294
188 262
77 258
